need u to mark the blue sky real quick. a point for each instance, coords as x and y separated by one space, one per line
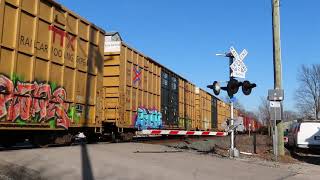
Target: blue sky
185 35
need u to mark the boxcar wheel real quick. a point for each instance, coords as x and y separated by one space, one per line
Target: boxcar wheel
64 140
127 137
41 141
115 138
8 144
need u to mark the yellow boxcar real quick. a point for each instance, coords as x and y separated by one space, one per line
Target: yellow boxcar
223 111
182 106
190 105
203 109
51 67
132 85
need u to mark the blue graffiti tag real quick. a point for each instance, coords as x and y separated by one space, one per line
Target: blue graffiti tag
148 119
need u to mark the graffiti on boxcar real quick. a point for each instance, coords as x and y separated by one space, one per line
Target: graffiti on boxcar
148 119
22 102
137 77
63 35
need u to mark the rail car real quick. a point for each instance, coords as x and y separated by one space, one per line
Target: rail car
140 93
244 124
61 75
51 72
250 123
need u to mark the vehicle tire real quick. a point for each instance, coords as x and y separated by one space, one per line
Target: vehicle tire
296 149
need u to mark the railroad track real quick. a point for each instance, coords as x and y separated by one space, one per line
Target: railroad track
163 140
174 139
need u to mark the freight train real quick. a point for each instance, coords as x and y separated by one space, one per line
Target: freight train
140 93
61 75
250 123
244 124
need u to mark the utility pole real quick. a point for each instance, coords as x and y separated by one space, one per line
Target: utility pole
277 67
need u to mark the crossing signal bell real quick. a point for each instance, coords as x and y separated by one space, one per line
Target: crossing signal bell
233 87
247 87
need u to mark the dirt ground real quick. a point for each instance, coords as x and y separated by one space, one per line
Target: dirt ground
245 144
191 158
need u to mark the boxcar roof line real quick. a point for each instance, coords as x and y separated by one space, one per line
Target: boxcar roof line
156 62
59 6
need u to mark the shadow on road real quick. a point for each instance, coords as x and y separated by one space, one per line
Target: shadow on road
311 157
95 64
87 173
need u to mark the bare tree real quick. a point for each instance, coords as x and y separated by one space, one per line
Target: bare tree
308 94
264 113
238 105
290 115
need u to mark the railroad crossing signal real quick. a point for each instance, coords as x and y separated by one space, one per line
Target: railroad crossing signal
238 68
238 71
233 87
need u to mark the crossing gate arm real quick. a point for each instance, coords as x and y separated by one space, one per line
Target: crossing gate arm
177 132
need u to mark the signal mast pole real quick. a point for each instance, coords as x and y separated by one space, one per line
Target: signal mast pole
232 150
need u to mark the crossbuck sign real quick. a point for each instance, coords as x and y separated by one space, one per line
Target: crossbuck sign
239 69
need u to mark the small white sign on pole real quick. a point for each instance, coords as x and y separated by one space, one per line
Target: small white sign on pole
275 104
238 68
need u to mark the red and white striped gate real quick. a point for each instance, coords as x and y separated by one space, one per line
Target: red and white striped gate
178 132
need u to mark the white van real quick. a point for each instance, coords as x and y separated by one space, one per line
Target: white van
304 134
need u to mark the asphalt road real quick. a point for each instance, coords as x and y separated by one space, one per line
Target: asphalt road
121 161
